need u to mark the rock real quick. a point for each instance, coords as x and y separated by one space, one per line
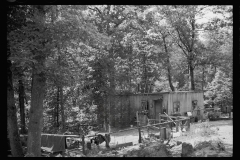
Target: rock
154 150
212 155
224 154
187 150
114 152
59 155
221 146
176 151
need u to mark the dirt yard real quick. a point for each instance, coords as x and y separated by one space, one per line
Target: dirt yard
199 135
206 131
214 130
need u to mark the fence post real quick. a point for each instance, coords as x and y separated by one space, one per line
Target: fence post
139 129
159 118
177 125
188 124
83 145
109 128
107 139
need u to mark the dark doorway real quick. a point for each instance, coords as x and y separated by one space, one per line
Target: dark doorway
157 108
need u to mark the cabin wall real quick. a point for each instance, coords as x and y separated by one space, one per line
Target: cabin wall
135 102
127 106
185 100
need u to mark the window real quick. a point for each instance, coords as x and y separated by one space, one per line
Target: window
144 105
176 107
194 104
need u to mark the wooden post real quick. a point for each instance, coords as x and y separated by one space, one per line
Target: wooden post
78 141
160 118
177 124
188 124
137 117
163 133
83 145
139 129
109 128
89 145
107 139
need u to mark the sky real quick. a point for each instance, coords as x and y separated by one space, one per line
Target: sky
207 16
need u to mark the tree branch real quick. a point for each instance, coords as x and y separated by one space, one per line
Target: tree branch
182 49
97 10
182 39
193 34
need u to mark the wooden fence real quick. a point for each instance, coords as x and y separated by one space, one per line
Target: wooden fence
163 121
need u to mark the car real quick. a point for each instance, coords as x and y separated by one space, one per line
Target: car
213 113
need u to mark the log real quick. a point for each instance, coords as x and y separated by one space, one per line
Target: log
153 127
170 118
124 145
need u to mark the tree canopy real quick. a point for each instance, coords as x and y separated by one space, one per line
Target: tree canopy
67 61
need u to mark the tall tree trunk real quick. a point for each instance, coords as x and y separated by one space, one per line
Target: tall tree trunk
203 82
57 107
12 127
169 76
144 75
104 116
53 115
121 113
130 68
112 111
129 109
21 105
106 113
36 110
111 71
62 110
191 69
168 64
100 116
37 93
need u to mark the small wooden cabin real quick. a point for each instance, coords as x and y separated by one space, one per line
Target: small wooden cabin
171 103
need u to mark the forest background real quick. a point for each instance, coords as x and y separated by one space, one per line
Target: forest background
64 61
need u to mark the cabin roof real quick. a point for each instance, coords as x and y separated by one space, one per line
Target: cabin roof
158 93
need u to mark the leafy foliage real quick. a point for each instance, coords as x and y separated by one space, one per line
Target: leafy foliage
96 51
219 91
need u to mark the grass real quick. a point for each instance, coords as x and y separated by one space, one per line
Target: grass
204 129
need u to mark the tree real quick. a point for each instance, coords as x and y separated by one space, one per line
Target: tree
38 91
15 20
161 37
183 20
219 91
16 148
22 106
79 57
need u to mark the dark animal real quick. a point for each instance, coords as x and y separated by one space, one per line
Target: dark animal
98 139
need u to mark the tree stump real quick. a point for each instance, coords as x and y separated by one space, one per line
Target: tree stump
107 140
187 150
